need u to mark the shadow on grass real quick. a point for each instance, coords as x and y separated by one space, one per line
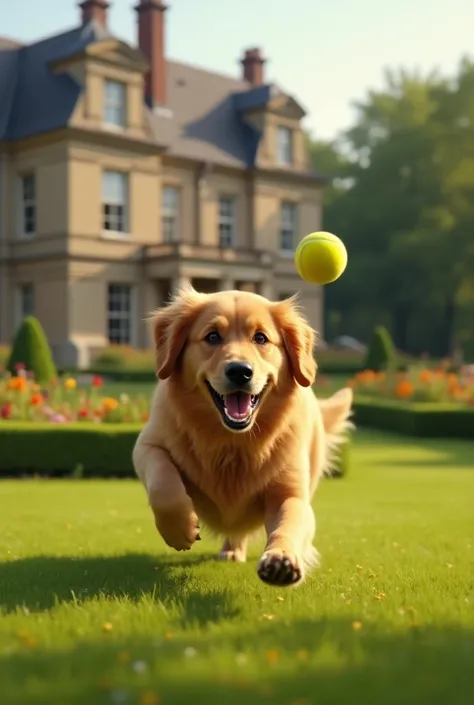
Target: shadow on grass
41 582
427 666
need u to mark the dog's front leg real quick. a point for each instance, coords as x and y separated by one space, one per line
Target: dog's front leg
290 525
175 518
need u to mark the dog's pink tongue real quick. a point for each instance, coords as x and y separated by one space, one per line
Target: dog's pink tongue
238 404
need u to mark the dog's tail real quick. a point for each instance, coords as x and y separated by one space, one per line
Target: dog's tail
336 412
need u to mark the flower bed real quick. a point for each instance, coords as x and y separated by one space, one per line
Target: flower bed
63 401
418 385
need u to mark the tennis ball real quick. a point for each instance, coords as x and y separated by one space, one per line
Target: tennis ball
320 258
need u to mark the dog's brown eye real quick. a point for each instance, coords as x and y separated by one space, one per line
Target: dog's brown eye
213 338
260 338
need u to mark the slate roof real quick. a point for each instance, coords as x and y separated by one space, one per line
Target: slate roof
204 121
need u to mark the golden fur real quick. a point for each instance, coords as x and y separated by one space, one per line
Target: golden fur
237 481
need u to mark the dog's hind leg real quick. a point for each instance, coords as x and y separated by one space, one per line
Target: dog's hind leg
234 549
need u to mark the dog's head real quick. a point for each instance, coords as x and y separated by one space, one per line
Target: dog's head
235 350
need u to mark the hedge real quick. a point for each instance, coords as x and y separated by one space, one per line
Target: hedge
80 450
105 450
422 420
74 449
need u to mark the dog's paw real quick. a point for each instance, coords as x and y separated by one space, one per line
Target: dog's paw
178 528
236 556
279 568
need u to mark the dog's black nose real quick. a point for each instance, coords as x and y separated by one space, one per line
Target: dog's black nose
239 373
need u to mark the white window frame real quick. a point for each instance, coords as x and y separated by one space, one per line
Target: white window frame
288 227
28 201
123 293
115 206
170 205
21 313
227 221
284 145
115 104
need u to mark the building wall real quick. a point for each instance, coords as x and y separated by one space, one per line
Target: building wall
71 260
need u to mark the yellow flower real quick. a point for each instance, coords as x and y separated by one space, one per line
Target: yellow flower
70 383
149 698
356 626
272 656
109 404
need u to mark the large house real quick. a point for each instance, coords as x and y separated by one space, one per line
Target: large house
124 175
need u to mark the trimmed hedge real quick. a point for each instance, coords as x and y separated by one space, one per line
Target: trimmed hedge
90 450
422 420
80 450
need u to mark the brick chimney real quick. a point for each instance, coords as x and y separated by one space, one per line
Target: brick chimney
151 41
94 10
253 62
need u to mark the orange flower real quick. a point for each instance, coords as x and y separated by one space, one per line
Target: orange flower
36 400
109 403
404 389
18 384
426 375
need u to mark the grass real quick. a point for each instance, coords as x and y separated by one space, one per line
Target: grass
95 609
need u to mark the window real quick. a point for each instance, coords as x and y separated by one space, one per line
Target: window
26 301
115 96
287 227
284 145
226 221
28 205
169 214
115 201
119 314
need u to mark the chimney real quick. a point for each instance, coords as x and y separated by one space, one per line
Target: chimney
151 41
94 10
253 62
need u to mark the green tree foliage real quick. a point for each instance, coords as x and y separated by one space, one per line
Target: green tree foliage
407 211
31 349
381 354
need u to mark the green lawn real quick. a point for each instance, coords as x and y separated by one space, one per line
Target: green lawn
95 609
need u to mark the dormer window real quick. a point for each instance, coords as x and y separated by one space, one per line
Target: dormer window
284 146
115 96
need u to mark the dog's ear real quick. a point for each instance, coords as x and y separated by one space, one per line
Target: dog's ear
299 340
171 327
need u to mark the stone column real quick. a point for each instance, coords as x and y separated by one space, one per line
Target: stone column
267 289
179 282
226 283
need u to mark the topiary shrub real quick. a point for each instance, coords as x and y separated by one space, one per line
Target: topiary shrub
31 350
381 354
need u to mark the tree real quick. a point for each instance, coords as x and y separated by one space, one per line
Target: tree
407 217
381 353
31 349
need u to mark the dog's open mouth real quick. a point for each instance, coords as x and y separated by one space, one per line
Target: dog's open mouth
236 408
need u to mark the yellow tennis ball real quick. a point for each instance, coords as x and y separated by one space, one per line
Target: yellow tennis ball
320 258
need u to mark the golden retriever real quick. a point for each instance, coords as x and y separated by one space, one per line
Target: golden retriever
236 436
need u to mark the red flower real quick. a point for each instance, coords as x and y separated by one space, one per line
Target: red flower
5 411
83 413
19 366
97 381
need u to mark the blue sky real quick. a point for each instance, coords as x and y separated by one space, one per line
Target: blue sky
326 53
